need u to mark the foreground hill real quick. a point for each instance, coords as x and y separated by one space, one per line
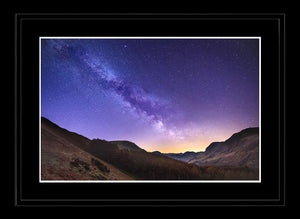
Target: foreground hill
69 156
62 157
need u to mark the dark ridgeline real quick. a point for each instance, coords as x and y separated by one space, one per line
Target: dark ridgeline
138 164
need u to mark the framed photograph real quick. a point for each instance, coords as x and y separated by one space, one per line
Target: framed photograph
117 103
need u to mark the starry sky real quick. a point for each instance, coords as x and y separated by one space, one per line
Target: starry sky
165 94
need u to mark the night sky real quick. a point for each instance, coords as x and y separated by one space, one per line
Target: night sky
171 95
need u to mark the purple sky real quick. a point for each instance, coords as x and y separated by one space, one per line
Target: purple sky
171 95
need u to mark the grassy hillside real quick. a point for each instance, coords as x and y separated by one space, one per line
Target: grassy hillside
63 159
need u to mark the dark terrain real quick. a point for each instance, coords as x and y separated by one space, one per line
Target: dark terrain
66 155
241 149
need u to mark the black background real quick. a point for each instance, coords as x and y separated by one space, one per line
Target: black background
30 192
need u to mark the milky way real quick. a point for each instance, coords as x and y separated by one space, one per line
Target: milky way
163 94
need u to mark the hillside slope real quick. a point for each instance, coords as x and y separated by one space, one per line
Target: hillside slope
63 159
68 156
241 149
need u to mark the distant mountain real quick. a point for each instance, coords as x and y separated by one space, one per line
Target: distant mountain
127 145
241 149
186 156
157 152
66 155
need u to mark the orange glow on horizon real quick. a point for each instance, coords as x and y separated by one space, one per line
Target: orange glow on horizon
177 148
195 145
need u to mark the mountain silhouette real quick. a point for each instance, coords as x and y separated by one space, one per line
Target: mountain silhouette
241 149
127 145
67 155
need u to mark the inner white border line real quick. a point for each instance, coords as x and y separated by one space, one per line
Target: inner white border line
149 181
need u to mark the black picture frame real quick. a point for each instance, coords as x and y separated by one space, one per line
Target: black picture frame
30 26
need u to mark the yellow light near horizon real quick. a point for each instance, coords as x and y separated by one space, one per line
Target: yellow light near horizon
195 144
177 148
